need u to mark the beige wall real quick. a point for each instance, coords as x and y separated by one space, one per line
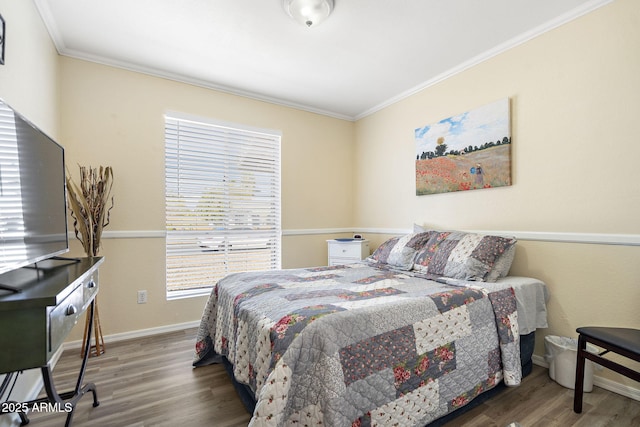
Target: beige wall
112 116
115 117
575 101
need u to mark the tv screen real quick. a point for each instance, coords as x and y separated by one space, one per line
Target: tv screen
33 216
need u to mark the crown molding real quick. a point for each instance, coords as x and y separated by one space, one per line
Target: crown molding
199 83
49 23
58 41
581 10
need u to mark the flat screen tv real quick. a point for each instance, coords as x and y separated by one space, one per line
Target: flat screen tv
33 215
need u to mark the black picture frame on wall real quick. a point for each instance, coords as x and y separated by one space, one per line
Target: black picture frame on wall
2 38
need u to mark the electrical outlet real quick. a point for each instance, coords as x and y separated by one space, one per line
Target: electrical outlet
142 297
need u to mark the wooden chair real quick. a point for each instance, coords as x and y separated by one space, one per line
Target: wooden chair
623 341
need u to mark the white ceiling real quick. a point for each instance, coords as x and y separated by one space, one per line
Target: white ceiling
366 55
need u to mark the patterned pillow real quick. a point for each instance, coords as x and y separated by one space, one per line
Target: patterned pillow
426 254
400 251
466 256
502 265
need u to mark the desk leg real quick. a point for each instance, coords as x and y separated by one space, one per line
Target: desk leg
71 397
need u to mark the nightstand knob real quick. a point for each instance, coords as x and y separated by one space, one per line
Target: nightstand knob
71 310
91 284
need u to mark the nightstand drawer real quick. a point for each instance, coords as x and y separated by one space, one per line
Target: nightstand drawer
344 250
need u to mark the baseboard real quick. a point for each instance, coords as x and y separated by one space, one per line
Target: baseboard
605 383
140 333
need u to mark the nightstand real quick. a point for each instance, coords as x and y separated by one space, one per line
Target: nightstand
347 252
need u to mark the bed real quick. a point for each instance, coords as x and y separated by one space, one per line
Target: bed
419 330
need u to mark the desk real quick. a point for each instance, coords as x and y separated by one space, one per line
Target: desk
35 322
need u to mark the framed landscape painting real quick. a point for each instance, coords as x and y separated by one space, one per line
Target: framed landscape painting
465 152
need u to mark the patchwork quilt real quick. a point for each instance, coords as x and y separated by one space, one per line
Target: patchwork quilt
359 344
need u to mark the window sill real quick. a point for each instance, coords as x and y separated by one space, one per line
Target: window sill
189 293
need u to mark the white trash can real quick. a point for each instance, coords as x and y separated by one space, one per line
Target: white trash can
561 353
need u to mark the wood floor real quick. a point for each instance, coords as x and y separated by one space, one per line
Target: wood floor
150 382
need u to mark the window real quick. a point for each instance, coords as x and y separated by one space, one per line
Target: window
222 202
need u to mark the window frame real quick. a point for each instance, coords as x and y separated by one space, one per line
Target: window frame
248 182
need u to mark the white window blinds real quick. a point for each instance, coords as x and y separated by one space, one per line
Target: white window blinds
222 202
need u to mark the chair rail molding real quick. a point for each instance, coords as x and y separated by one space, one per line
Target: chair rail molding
542 236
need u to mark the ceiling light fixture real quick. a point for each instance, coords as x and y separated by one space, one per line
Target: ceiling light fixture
308 12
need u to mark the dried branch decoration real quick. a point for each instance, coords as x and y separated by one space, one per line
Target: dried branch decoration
89 205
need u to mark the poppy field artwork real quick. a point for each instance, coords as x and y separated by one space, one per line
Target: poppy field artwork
468 151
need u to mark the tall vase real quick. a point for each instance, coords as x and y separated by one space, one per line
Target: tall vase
90 204
97 348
